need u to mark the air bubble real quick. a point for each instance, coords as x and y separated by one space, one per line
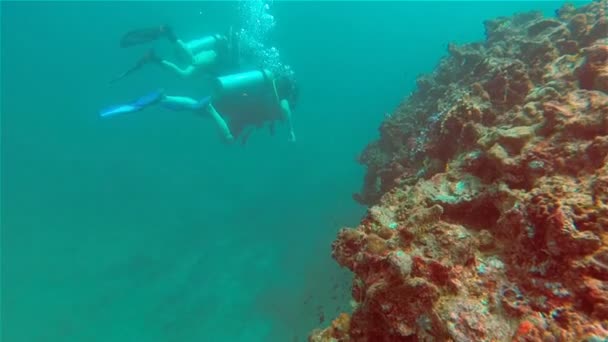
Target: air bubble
254 36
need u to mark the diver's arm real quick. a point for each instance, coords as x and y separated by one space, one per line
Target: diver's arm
286 110
221 123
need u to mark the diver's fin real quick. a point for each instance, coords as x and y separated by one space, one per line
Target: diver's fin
135 106
146 35
117 110
149 57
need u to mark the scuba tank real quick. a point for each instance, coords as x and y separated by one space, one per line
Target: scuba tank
245 81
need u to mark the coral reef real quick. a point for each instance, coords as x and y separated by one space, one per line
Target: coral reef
488 194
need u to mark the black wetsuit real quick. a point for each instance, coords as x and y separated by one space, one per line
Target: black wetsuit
250 106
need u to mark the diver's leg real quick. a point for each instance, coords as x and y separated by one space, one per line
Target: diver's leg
183 72
204 60
180 103
188 50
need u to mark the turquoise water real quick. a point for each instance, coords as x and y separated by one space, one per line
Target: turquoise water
146 227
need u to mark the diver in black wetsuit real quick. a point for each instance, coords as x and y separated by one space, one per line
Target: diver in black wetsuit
239 104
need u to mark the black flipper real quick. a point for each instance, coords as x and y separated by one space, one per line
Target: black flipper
146 35
127 73
149 57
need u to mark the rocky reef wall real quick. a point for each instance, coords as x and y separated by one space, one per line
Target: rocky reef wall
488 194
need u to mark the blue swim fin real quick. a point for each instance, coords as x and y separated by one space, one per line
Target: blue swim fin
135 106
118 109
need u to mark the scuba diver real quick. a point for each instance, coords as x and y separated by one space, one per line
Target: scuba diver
208 55
240 103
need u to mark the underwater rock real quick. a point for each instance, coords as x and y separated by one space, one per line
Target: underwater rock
593 74
488 194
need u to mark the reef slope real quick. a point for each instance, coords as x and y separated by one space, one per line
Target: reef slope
488 194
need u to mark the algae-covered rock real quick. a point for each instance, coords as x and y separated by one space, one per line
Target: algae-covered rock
504 235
